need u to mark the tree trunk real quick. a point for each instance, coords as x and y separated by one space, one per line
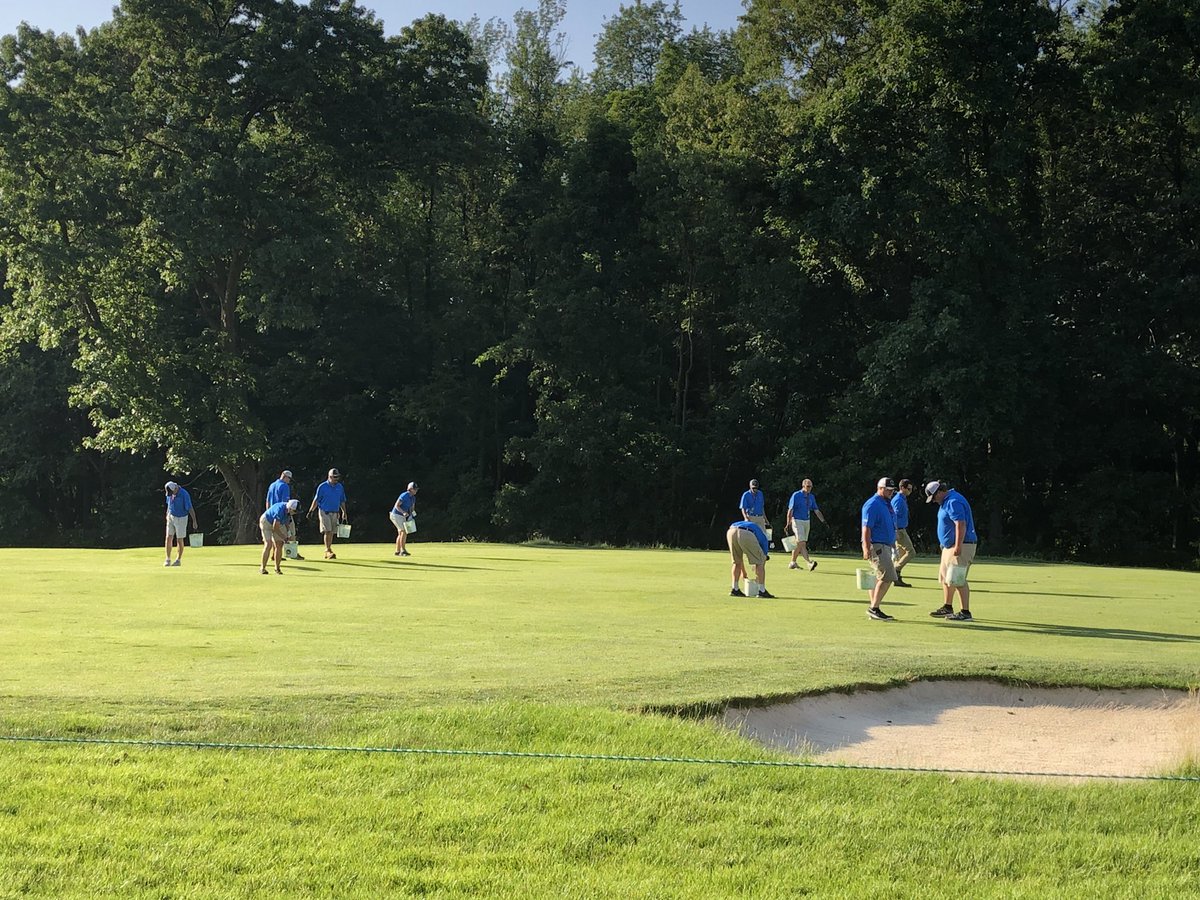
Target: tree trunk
245 483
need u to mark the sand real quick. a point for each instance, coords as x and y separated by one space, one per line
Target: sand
985 726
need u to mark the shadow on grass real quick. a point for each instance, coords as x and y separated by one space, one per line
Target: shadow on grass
393 563
887 601
1049 594
1110 634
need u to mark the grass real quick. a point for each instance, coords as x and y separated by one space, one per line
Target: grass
545 649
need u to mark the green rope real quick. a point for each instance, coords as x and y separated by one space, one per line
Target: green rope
601 757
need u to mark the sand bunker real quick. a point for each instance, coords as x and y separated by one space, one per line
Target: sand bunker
979 725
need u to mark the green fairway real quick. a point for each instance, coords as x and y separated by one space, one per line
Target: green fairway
545 649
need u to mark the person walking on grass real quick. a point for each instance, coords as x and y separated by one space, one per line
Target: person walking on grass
800 507
958 540
179 507
404 510
280 491
273 525
904 544
753 505
878 543
747 541
330 501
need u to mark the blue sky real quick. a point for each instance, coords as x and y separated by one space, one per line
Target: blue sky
583 21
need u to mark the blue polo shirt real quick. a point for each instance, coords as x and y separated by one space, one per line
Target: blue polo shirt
900 509
802 504
405 502
955 508
277 513
752 503
877 515
181 503
758 533
330 497
279 492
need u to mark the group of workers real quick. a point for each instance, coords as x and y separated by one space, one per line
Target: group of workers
886 545
278 520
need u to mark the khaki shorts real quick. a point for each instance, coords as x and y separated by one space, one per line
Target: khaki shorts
268 530
329 521
882 564
760 521
800 528
177 526
949 559
741 541
397 520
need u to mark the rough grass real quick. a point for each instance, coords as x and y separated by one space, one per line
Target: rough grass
544 649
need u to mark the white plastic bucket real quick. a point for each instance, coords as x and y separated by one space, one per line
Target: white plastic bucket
196 539
866 579
956 576
410 526
751 588
789 542
343 530
770 533
291 550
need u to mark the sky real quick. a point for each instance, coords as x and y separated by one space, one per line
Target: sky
583 21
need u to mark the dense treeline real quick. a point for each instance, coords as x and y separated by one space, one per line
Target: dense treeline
854 237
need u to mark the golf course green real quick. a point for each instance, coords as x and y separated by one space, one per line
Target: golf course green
546 650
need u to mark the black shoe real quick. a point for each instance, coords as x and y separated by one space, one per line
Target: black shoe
878 614
766 594
734 592
900 582
812 565
942 612
297 556
405 553
963 615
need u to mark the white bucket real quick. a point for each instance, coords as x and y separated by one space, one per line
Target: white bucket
956 576
866 579
410 526
196 539
291 550
770 533
751 588
789 542
343 530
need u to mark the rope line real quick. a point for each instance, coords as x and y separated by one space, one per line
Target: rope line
600 757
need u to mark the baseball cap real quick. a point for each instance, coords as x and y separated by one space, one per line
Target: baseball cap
334 473
412 486
932 488
171 486
293 505
886 482
286 473
753 482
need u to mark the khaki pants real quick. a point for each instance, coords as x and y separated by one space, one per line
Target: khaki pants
904 547
743 542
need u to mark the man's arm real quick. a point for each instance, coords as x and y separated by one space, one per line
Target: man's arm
960 533
866 541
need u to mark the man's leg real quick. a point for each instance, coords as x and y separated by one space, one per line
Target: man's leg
881 588
266 554
167 545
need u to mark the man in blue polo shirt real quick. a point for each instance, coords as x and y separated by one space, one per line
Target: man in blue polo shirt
747 540
330 500
904 544
403 511
957 537
280 491
753 506
179 507
878 543
802 504
273 524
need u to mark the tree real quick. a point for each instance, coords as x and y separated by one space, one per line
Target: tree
630 44
180 186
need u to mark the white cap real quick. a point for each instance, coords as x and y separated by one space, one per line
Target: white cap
287 473
886 482
293 505
171 486
412 486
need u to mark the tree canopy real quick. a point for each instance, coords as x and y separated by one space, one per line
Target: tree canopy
924 238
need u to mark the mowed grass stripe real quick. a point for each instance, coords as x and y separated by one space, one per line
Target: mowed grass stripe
614 627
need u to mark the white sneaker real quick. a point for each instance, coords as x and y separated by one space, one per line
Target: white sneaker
166 562
793 566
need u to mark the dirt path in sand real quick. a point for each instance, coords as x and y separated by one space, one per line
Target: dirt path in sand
979 725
